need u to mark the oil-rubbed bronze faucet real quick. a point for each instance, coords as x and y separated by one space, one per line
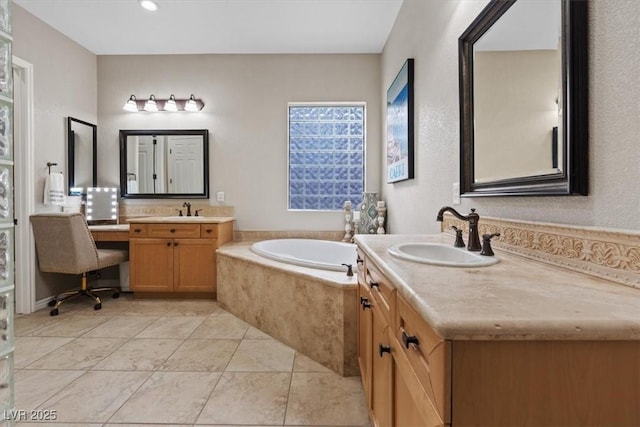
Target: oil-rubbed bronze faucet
188 206
474 239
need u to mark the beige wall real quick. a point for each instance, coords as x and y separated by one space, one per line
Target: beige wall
428 31
64 85
245 111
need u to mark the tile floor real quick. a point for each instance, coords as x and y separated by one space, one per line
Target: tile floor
171 363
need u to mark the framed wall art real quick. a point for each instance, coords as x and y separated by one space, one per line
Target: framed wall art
400 125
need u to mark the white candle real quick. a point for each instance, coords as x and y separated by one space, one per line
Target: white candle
356 216
381 204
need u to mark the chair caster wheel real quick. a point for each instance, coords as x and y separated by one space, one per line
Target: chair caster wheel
116 295
54 312
51 304
97 306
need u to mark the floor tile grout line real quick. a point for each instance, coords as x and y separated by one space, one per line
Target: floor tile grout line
151 373
208 398
286 409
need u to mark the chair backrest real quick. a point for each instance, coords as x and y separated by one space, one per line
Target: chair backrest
64 243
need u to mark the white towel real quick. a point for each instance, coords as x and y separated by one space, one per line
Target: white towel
54 189
132 186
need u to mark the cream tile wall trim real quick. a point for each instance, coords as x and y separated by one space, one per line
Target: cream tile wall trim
257 235
608 254
136 211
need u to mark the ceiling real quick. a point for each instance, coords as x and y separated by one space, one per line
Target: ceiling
123 27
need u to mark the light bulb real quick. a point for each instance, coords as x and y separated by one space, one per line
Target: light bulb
170 104
191 104
149 5
131 105
151 105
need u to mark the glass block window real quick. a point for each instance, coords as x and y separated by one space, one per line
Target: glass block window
326 155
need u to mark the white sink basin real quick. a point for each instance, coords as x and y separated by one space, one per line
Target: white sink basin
438 254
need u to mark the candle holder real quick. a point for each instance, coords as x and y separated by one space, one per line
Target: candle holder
348 216
381 215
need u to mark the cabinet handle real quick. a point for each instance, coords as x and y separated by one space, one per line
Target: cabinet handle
168 243
366 305
374 285
137 230
173 230
409 339
175 243
208 230
359 261
363 300
382 349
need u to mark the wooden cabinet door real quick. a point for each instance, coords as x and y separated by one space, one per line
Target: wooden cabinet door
151 265
194 263
381 371
364 340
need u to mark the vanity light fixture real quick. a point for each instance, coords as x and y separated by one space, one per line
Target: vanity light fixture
131 105
149 5
151 105
171 104
191 105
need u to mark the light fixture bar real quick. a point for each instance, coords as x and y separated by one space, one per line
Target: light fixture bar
192 104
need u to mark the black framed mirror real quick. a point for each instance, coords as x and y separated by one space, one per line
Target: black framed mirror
523 100
157 164
82 154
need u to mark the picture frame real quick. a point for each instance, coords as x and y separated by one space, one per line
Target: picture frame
399 147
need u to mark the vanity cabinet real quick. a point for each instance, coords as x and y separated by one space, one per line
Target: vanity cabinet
376 297
430 381
175 258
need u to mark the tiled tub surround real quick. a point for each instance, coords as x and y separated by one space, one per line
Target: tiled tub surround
608 254
311 310
516 299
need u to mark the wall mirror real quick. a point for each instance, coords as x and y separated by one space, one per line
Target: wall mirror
160 164
523 99
82 146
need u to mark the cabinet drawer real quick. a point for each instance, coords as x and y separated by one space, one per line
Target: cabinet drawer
209 231
180 231
428 355
381 290
138 230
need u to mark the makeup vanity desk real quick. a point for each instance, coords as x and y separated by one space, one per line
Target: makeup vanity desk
110 232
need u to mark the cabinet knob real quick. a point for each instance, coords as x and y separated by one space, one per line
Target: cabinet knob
366 304
363 299
409 339
359 261
374 285
175 243
208 230
382 349
168 243
173 230
137 230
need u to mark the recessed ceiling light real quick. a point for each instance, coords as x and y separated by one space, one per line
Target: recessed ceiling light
149 5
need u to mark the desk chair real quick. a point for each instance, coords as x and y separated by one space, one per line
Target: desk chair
65 245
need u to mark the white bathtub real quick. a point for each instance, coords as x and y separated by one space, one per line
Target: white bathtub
322 254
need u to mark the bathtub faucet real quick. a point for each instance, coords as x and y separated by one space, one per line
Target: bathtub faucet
349 269
188 206
472 218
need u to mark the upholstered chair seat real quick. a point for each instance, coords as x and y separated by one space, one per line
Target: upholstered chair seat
64 244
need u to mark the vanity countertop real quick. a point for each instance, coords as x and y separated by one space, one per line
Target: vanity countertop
182 219
515 299
109 227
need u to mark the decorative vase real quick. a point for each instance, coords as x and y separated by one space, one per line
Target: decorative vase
368 213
